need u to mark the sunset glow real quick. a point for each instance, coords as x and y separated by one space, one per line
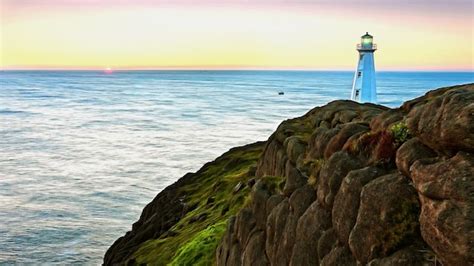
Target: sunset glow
89 34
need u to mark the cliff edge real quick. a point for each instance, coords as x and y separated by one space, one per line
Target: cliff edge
345 184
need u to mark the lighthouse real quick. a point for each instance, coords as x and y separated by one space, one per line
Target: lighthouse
363 87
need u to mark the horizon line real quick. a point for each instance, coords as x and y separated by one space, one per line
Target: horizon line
223 68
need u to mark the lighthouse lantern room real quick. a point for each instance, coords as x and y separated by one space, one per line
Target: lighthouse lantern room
363 87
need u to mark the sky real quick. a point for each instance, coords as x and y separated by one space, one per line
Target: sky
271 34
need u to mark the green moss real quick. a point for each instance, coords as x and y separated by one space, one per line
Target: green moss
200 249
300 127
400 132
404 227
273 183
216 180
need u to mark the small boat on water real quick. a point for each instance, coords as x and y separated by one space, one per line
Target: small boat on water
281 93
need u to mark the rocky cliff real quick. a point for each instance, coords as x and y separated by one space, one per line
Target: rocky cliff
345 184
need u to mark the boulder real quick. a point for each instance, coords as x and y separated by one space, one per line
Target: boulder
320 139
387 218
294 179
273 201
344 116
331 175
445 122
226 252
273 161
326 243
245 225
254 253
339 255
235 255
346 203
446 179
447 195
385 119
294 148
337 142
285 247
301 199
310 226
259 196
276 223
411 151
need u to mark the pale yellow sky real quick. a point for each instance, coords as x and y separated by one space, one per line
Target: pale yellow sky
303 35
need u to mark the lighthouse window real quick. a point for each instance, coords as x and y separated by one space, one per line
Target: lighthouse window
360 57
359 74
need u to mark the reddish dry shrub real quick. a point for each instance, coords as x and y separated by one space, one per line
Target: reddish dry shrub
385 149
362 144
379 146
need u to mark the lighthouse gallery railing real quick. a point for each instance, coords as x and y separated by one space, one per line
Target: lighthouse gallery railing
362 47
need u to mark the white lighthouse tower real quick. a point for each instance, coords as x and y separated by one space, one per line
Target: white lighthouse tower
363 87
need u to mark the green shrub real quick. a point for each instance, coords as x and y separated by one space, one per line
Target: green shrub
400 132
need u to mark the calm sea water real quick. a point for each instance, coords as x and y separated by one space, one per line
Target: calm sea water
81 153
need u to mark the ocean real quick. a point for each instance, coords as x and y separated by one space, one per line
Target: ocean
82 152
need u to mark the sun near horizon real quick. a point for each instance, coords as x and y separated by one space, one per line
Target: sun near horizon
321 35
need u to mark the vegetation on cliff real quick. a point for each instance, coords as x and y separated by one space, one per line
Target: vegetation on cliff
345 184
183 224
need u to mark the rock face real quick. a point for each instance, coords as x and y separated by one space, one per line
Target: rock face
345 184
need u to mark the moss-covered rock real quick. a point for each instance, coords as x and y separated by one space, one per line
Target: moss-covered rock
200 249
387 218
194 208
